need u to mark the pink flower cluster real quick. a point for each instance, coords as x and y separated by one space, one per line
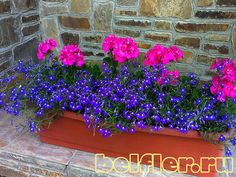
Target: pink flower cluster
122 49
70 55
223 82
45 47
160 55
168 77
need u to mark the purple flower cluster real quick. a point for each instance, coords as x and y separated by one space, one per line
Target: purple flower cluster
123 102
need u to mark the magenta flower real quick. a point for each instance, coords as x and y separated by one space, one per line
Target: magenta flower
45 47
108 43
70 55
125 49
122 49
160 55
223 82
176 52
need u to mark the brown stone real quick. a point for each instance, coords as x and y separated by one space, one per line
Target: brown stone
143 45
5 64
80 6
29 30
234 40
187 57
129 33
205 60
80 23
127 2
11 172
46 9
9 30
102 14
200 27
126 12
204 3
26 50
87 53
162 25
70 38
217 37
95 39
30 18
5 7
157 37
216 49
226 2
136 23
192 42
99 54
24 5
216 14
164 8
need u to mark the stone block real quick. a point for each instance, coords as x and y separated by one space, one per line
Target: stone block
201 27
187 41
80 6
70 38
163 8
29 30
9 31
30 18
80 23
26 50
5 7
102 14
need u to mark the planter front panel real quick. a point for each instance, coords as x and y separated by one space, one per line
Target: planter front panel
70 131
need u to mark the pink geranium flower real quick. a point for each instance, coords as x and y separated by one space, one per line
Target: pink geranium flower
122 49
108 43
70 55
125 49
223 82
45 47
160 55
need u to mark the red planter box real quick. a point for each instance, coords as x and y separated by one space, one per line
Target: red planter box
70 131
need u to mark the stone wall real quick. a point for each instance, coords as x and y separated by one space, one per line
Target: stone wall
204 29
19 30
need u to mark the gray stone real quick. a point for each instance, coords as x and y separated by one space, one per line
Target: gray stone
78 172
55 0
24 5
234 40
126 2
5 60
9 31
29 30
26 50
46 9
103 13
